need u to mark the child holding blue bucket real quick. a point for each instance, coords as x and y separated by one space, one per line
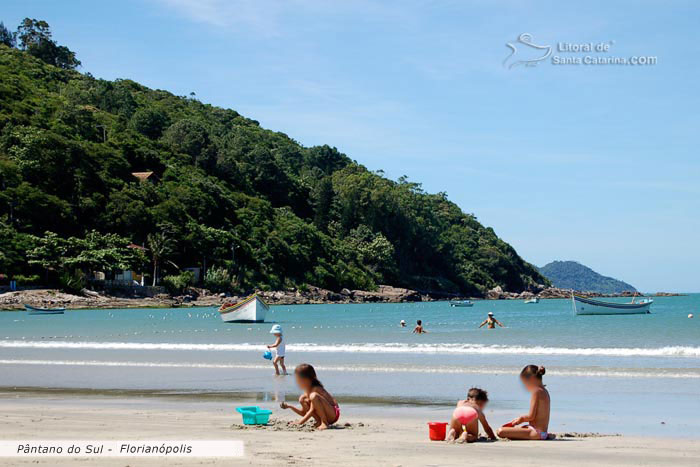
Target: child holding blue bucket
278 349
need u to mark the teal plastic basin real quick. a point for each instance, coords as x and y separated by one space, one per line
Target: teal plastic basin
254 415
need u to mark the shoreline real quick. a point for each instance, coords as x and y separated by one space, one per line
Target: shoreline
362 437
13 301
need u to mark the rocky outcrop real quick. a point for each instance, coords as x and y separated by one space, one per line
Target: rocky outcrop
384 294
310 295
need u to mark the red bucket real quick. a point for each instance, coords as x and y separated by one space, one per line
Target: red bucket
437 431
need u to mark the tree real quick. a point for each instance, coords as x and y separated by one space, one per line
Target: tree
149 122
189 137
161 247
209 242
49 252
322 199
35 37
6 37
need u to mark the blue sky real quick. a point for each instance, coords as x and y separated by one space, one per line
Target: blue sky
595 163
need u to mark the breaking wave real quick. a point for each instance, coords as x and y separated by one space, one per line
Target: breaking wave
387 348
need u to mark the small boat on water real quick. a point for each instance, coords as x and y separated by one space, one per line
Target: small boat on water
588 306
249 310
465 303
33 310
532 300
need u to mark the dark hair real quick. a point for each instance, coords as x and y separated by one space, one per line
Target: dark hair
306 371
419 322
532 370
478 394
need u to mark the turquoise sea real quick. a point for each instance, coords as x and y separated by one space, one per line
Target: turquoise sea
621 374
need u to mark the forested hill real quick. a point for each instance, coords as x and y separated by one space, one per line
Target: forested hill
576 276
225 194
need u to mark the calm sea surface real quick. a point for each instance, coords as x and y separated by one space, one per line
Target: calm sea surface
624 374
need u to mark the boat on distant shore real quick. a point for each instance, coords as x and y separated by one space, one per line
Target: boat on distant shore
588 306
464 303
532 300
33 310
249 310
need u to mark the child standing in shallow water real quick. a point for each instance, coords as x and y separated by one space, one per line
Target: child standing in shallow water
538 417
315 402
469 431
279 348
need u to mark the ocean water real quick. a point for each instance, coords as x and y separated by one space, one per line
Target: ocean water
622 374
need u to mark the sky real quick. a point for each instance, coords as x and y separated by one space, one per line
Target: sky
595 163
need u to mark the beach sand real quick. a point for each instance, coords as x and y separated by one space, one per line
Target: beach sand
367 440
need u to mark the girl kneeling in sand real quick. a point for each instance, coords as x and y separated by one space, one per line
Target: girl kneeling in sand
316 402
538 417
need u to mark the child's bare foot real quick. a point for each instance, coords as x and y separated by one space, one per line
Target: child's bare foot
322 426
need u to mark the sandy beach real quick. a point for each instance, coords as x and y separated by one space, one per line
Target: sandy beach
366 440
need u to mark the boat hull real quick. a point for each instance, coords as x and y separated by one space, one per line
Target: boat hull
43 311
532 300
250 310
462 304
586 306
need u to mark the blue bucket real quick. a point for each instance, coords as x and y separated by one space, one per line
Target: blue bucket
267 355
254 415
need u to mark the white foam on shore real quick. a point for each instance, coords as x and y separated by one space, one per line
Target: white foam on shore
579 372
398 348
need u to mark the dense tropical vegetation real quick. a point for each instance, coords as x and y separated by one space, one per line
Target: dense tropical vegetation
576 276
252 207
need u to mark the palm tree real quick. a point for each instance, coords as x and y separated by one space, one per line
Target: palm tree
161 247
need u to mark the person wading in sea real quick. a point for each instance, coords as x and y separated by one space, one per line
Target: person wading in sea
491 321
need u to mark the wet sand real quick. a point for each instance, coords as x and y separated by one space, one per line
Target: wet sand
361 438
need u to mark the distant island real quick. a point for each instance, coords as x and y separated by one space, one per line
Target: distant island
573 275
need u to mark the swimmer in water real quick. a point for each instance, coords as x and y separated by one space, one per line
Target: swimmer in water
419 328
491 322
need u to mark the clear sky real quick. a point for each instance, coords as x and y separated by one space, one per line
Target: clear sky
594 163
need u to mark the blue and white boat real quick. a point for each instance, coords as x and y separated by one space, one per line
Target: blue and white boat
588 306
33 310
465 303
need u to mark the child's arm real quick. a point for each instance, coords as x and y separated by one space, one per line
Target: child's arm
305 417
487 427
276 344
299 412
534 403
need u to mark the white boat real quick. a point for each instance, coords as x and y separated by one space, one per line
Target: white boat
249 310
465 303
532 300
35 310
587 306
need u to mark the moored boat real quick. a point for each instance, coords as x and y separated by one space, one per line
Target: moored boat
532 300
33 310
249 310
588 306
464 303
